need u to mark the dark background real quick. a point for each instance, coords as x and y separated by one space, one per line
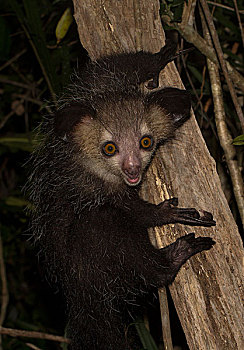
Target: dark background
34 69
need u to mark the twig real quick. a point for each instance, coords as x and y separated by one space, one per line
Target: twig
32 346
6 118
164 307
165 319
223 6
32 334
27 98
12 59
188 15
16 83
222 60
239 21
21 75
191 36
41 65
9 115
5 295
223 132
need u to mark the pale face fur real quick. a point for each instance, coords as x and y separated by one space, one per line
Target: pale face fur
125 131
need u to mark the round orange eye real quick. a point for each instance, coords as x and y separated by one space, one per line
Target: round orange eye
109 148
146 142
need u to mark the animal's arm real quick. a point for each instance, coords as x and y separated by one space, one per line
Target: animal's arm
167 212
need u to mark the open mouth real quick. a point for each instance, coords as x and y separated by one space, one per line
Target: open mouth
133 181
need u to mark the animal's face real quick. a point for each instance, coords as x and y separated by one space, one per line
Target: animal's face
117 145
115 135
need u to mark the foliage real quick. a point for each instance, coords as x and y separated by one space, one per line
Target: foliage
193 70
34 69
145 336
239 141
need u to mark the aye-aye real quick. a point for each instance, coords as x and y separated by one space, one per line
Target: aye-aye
88 221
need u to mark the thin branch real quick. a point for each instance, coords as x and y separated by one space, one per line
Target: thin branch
222 60
29 99
32 346
5 295
32 334
16 83
239 21
223 6
13 59
41 65
223 132
9 115
191 36
188 15
6 118
167 339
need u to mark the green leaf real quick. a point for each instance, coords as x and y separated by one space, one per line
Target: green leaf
197 74
145 336
63 25
18 143
239 141
16 202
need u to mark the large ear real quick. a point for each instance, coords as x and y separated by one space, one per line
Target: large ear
174 101
67 118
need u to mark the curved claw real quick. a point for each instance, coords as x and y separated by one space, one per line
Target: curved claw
173 201
188 220
168 202
207 215
190 216
198 244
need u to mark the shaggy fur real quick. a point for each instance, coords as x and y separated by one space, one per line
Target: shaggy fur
88 220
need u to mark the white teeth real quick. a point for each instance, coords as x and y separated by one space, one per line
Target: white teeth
133 182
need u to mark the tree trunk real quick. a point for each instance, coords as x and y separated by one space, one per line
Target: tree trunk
208 291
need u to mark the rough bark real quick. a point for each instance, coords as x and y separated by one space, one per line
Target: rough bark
208 291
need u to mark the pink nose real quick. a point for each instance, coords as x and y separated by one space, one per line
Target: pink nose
131 167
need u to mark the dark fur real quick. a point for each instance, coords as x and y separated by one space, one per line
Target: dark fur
91 228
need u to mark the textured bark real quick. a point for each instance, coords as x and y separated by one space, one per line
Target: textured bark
208 291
